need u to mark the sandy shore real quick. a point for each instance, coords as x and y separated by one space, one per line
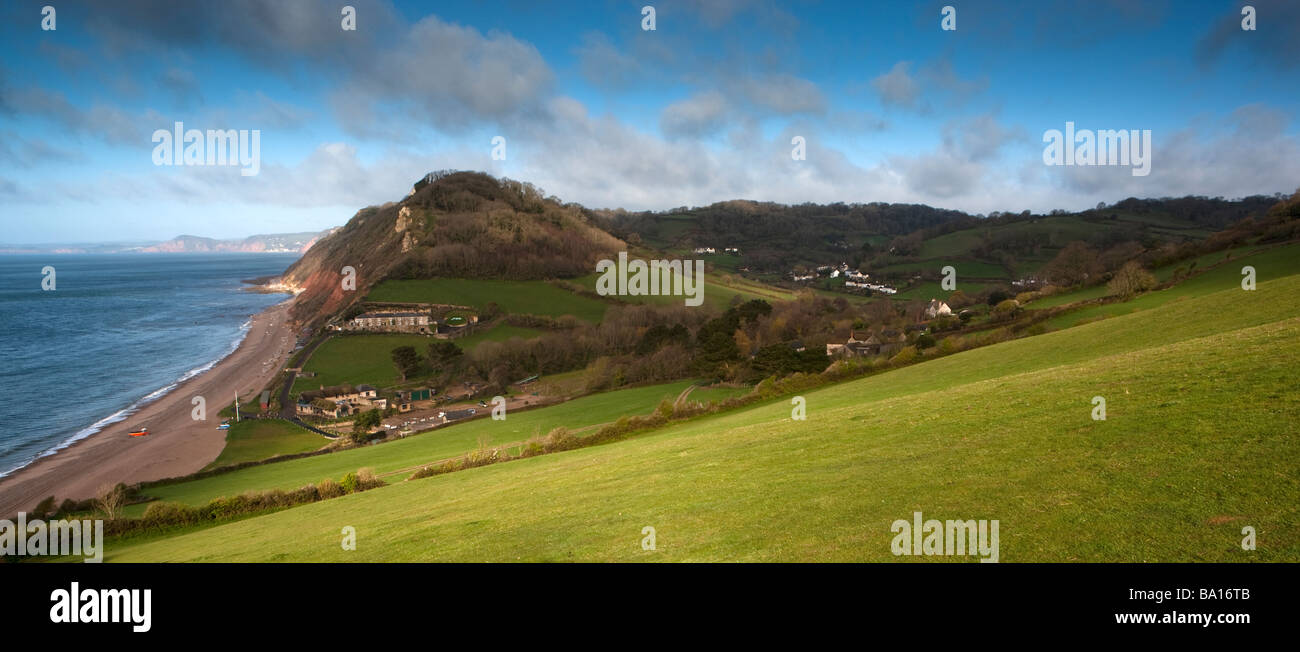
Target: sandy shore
177 445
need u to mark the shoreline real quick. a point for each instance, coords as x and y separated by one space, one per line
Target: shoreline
177 445
135 406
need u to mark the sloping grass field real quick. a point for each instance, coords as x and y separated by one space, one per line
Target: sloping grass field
258 439
1199 441
424 448
367 359
719 289
1269 264
1162 274
521 297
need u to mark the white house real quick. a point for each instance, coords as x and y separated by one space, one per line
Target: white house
937 308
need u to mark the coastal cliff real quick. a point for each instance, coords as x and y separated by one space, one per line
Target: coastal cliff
452 224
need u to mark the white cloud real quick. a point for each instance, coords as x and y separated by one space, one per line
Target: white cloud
699 115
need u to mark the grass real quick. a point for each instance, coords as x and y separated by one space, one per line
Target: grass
1198 442
423 448
932 290
568 383
965 269
719 290
1203 262
1162 274
358 359
256 439
521 297
1269 264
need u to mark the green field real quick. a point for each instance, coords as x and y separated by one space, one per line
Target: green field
1198 442
367 359
256 439
1059 230
932 290
1162 274
1270 264
424 448
520 297
965 269
719 290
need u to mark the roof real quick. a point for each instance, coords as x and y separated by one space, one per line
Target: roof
369 315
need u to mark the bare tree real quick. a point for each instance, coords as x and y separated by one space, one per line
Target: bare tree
1131 279
109 500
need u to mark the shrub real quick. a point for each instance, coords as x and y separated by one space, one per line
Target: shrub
1131 279
350 483
556 437
164 514
907 355
44 508
328 488
367 479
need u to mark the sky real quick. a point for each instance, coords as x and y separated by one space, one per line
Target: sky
594 108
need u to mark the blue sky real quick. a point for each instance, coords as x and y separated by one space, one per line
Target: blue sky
596 110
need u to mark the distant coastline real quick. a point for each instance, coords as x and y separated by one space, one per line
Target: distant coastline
275 243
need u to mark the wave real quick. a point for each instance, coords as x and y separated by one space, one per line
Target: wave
135 406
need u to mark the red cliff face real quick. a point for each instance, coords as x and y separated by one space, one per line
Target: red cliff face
367 245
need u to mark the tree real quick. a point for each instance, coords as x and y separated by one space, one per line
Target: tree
1006 309
743 343
716 343
1131 279
109 499
443 352
776 359
44 508
406 360
751 310
364 422
1077 263
996 297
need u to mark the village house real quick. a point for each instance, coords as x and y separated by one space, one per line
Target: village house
406 321
340 401
937 308
887 342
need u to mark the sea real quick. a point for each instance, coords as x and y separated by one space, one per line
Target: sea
115 332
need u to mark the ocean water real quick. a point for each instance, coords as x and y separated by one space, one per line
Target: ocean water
117 332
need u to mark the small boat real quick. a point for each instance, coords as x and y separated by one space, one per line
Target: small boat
224 426
139 432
